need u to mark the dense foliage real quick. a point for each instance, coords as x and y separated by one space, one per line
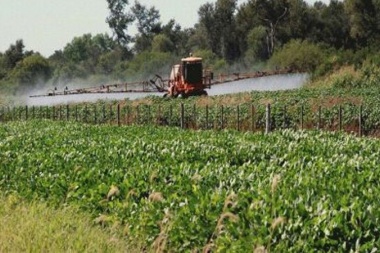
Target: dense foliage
181 190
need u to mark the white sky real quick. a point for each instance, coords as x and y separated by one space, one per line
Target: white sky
48 25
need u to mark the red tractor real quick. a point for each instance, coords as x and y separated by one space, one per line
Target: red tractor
189 78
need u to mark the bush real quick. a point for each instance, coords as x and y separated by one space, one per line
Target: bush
368 76
346 80
298 55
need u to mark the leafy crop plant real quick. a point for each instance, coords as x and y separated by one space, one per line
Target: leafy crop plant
179 190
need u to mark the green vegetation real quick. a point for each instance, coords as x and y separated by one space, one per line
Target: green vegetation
182 190
38 227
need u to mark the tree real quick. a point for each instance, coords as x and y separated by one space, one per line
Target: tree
256 44
31 70
148 26
336 25
328 24
363 20
85 55
246 20
119 20
78 50
108 61
161 43
225 20
297 23
88 48
196 39
104 42
217 21
271 13
208 27
14 54
178 38
148 20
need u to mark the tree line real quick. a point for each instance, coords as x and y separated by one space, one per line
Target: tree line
272 33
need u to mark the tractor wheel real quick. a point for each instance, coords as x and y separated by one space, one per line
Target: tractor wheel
203 93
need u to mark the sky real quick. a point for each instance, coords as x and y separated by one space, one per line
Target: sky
48 25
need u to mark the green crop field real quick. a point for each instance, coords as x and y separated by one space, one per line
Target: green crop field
182 190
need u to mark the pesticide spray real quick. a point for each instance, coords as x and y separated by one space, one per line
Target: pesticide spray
267 83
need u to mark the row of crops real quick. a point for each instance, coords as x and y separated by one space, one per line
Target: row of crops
179 190
355 111
243 117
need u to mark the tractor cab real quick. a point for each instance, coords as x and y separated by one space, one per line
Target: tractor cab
192 70
188 78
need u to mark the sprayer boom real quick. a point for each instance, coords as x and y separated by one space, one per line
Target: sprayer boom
156 84
186 79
